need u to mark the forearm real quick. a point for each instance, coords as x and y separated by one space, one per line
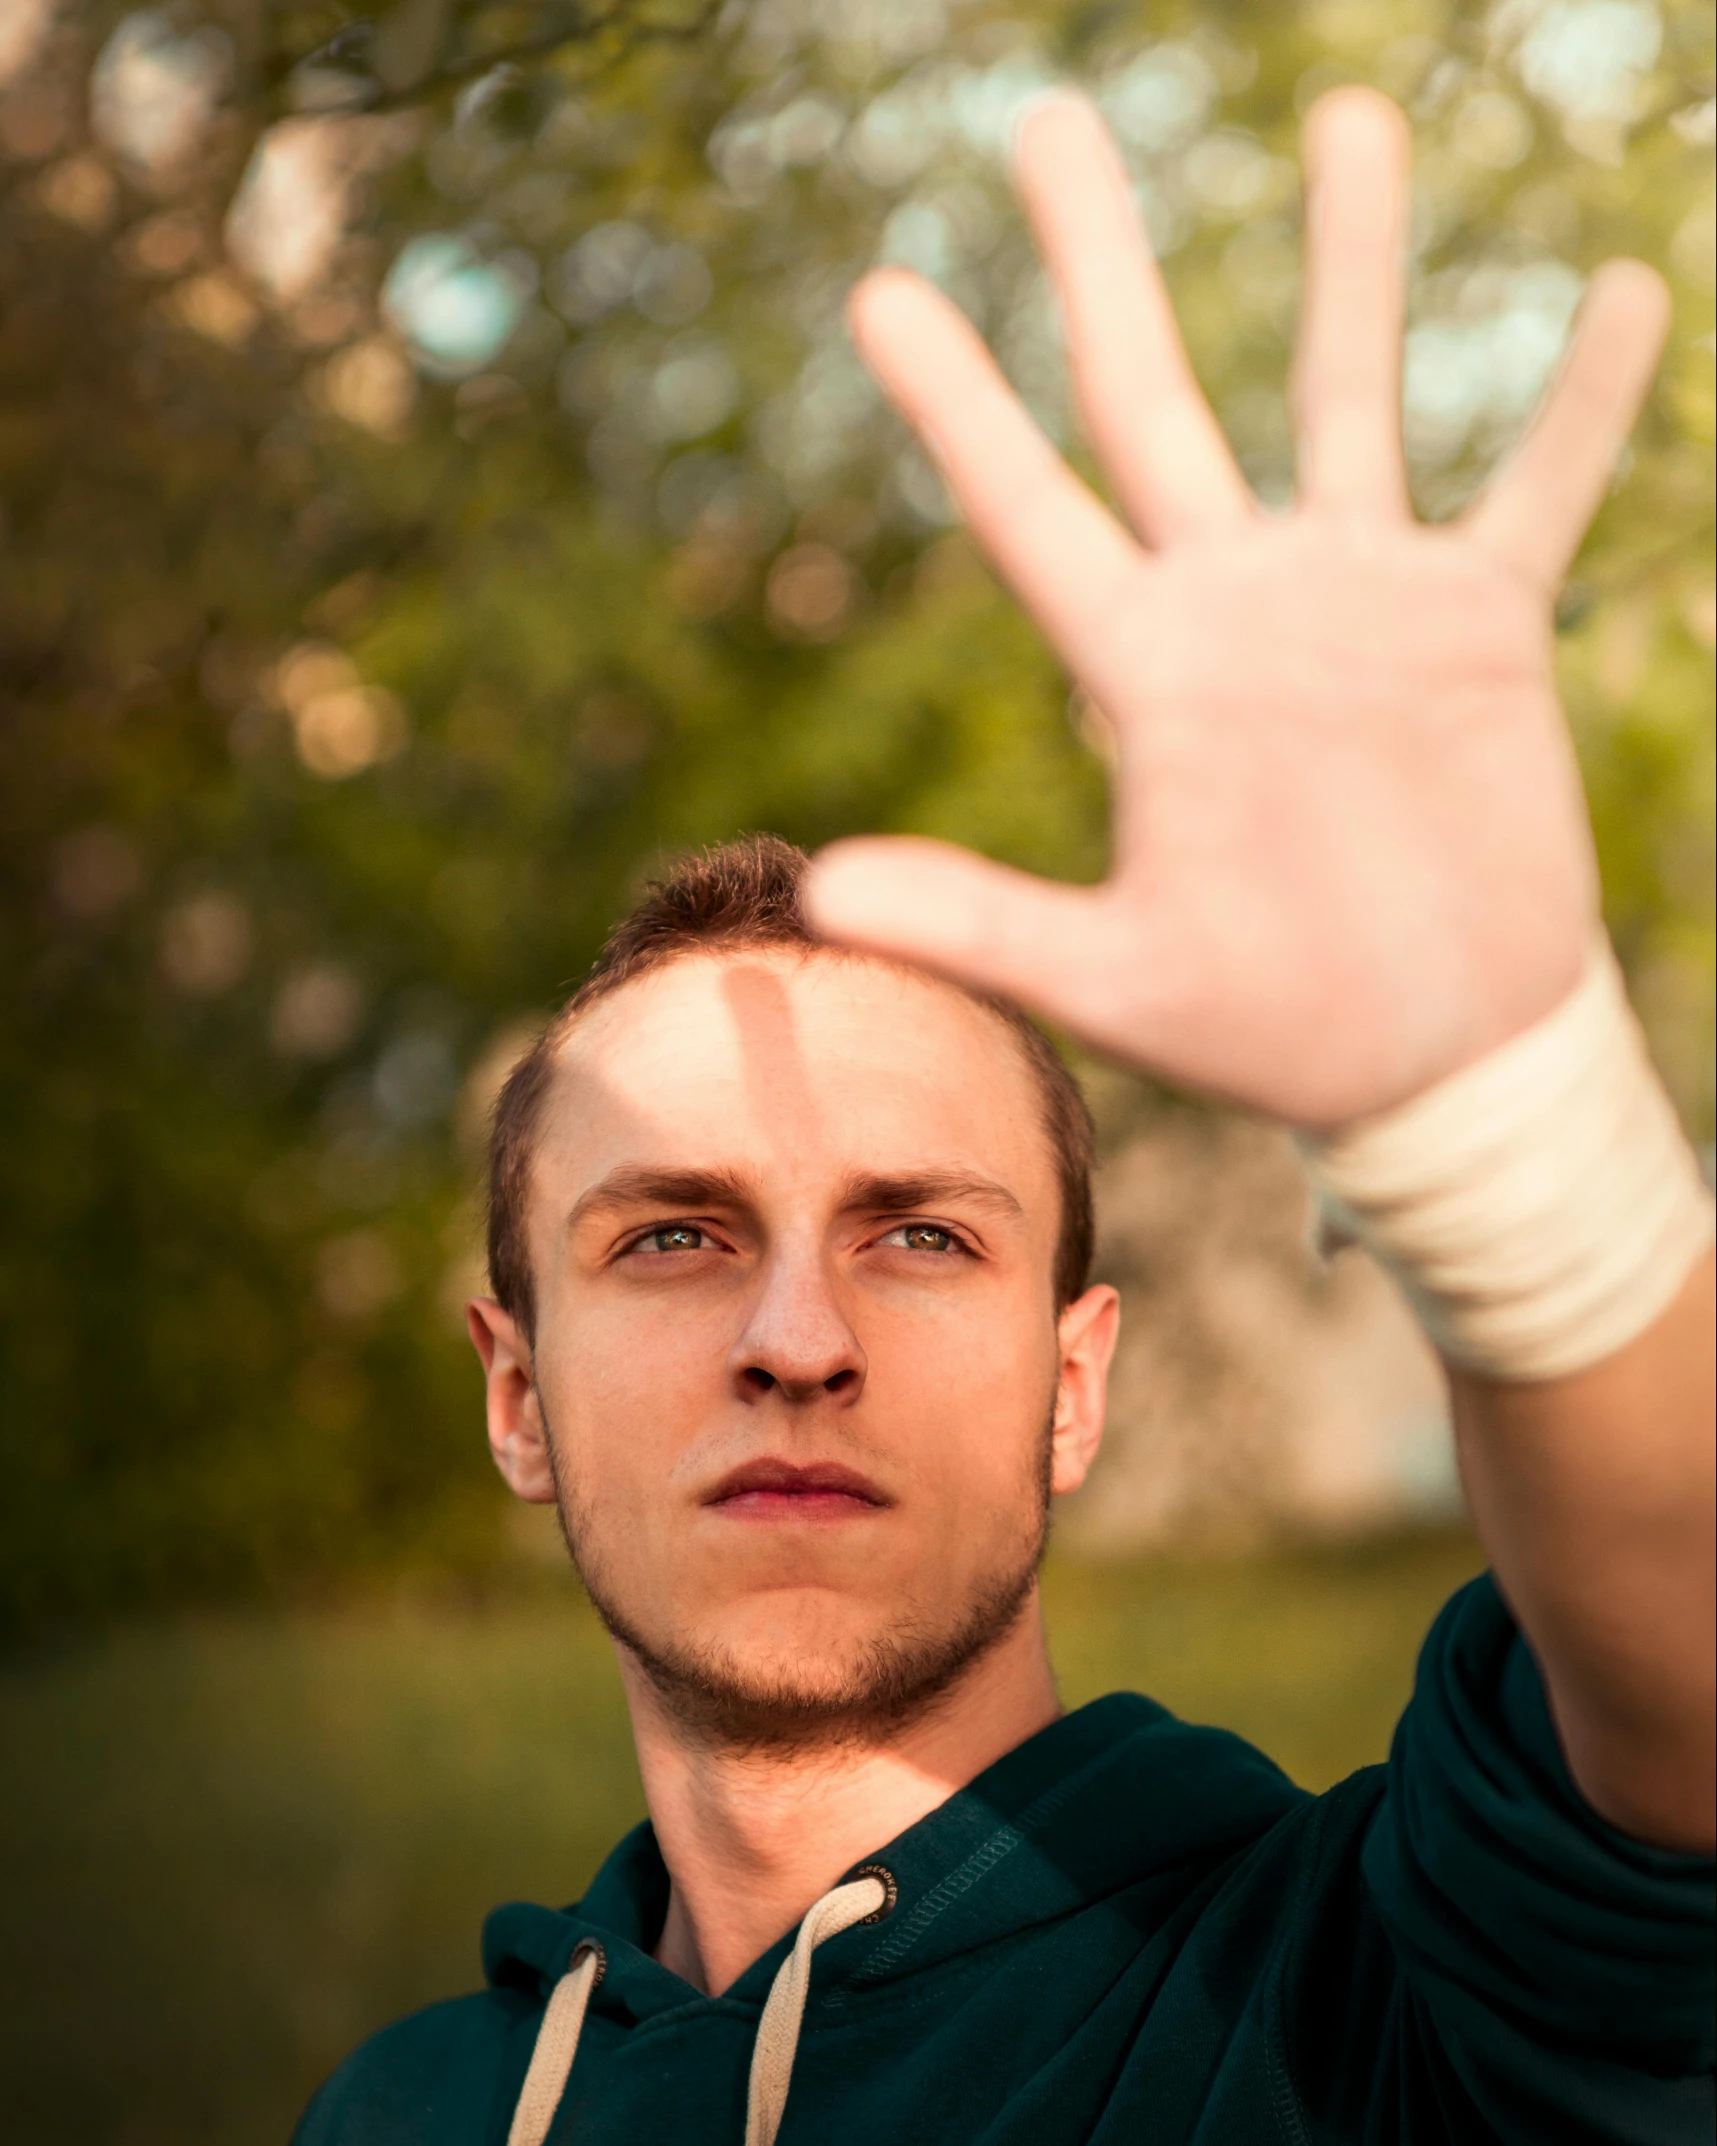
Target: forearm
1544 1213
1593 1495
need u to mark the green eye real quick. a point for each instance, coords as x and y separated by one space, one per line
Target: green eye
678 1237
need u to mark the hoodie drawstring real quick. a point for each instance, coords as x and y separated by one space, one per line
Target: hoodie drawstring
557 2045
777 2031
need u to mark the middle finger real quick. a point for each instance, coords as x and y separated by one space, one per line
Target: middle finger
1347 368
1147 417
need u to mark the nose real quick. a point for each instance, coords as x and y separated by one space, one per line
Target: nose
797 1341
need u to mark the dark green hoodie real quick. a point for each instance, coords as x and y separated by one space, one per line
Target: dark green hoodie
1137 1933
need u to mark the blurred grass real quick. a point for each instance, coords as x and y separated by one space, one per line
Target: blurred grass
229 1849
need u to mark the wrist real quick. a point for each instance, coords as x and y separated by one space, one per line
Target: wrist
1539 1208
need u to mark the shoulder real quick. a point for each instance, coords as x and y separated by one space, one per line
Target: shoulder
449 2073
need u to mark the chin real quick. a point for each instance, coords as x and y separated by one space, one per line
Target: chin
817 1635
805 1647
794 1671
766 1655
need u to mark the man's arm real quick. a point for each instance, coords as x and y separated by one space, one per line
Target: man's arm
1593 1495
1352 860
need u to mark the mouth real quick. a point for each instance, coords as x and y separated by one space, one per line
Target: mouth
778 1490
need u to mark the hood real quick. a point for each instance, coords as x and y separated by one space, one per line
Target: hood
1117 1798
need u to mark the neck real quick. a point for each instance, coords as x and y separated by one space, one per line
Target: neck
752 1838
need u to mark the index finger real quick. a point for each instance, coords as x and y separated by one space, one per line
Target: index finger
1063 552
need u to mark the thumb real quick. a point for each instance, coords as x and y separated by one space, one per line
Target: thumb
982 924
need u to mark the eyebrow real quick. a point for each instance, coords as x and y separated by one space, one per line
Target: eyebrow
643 1185
865 1192
879 1194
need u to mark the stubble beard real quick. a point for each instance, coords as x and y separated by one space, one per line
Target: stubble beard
889 1682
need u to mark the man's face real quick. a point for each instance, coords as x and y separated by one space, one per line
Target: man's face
797 1358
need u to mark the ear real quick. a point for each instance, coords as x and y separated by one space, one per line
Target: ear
1086 1334
516 1435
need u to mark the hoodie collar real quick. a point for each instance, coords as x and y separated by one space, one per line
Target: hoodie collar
1110 1797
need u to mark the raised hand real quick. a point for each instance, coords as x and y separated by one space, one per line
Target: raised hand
1351 852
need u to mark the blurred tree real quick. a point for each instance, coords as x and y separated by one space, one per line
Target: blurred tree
436 483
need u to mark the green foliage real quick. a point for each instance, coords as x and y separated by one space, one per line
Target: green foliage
350 688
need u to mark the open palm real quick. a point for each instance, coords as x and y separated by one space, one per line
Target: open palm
1351 851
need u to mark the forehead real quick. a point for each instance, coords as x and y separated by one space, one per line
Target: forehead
779 1062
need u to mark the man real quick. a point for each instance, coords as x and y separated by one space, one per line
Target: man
788 1241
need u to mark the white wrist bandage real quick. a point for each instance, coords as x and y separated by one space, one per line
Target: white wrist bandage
1540 1207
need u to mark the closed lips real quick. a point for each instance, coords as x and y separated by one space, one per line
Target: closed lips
822 1489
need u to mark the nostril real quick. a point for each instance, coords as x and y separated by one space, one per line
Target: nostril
839 1381
758 1379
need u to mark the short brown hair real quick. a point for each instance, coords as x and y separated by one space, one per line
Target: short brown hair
740 895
